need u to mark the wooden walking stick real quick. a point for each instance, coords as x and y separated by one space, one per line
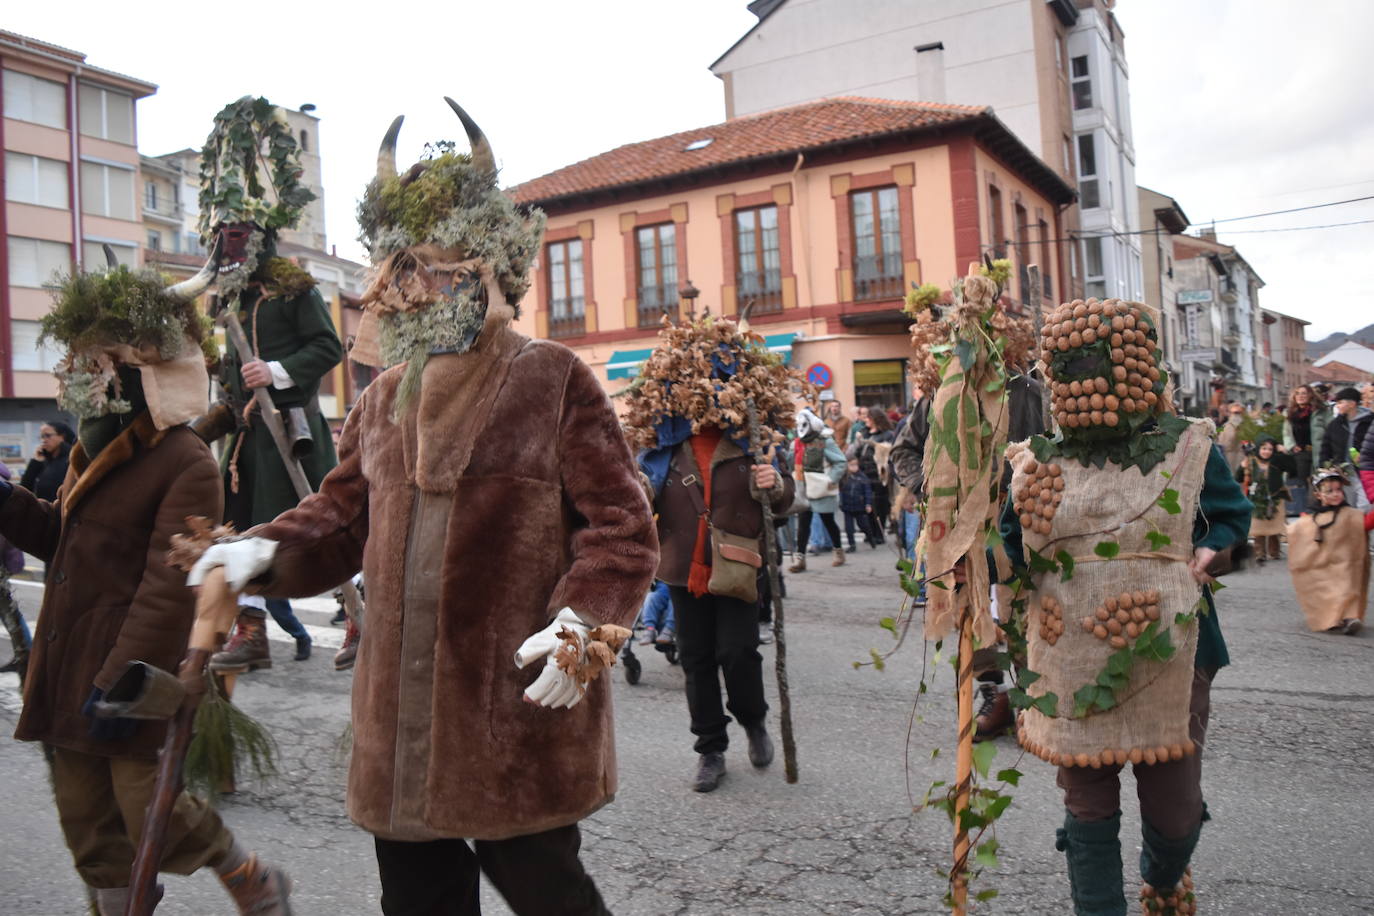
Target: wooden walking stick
216 608
762 452
353 602
963 766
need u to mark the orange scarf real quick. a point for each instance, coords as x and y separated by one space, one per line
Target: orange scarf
703 446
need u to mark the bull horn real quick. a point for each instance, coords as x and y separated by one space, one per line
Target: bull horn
187 290
482 156
110 260
386 155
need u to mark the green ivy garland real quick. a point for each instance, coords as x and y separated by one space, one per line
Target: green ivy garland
246 133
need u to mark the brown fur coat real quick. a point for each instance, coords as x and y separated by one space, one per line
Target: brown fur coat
505 493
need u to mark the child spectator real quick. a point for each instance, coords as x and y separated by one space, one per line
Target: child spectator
657 616
856 502
1328 557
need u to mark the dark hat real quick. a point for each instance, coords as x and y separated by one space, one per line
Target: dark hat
1348 394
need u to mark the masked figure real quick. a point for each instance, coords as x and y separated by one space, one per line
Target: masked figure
290 332
1328 556
694 429
134 374
485 489
1117 520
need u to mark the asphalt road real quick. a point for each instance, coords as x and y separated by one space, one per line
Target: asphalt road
1288 782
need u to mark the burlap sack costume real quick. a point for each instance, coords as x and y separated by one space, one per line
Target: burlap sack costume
1330 576
1150 719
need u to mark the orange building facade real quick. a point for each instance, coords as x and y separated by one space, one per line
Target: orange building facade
821 215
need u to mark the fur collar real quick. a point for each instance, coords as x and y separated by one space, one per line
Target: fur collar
83 473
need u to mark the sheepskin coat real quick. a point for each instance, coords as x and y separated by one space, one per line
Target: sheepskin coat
505 492
111 598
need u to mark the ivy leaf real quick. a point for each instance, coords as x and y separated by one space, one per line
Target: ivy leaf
1041 564
986 854
878 663
1158 539
967 356
982 756
905 566
1065 564
887 623
995 384
1041 448
985 895
1168 501
1107 549
1010 776
993 538
1048 705
1026 677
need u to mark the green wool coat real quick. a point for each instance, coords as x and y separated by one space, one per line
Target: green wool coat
299 334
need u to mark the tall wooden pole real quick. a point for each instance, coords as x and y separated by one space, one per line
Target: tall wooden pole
963 771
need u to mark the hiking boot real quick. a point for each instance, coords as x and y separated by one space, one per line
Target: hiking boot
800 565
994 715
839 557
348 652
339 619
650 637
710 771
765 633
258 889
247 649
302 648
18 664
760 745
1351 626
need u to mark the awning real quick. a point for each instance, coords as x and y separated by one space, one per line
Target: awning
625 363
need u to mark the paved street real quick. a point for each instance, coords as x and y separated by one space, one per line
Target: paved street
1288 782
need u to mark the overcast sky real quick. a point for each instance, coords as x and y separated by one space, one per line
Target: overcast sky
1239 106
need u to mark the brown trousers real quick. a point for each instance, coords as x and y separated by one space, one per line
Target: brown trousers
1170 793
101 802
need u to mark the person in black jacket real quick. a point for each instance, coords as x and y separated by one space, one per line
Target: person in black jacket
1346 432
48 468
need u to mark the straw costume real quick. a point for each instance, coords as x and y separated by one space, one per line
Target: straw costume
1110 523
485 489
134 374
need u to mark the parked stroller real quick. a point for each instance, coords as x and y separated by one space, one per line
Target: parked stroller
654 627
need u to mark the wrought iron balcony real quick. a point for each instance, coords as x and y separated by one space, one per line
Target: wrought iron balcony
762 287
655 302
878 277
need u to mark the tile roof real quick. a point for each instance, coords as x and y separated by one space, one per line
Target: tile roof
759 136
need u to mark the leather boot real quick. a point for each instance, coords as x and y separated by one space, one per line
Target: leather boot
258 889
994 716
348 652
247 649
839 557
1164 862
800 565
1093 850
710 771
760 745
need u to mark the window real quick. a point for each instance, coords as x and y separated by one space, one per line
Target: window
1046 265
150 195
106 114
107 190
656 247
1088 194
190 243
1095 283
305 141
999 232
758 274
154 240
1081 84
1058 52
880 381
35 180
34 261
1023 250
28 355
567 305
877 244
39 101
93 254
1068 156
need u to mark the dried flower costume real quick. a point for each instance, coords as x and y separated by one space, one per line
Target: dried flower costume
135 375
486 491
1103 520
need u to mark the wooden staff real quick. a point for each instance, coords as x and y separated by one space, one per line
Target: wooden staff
353 602
762 451
216 608
963 767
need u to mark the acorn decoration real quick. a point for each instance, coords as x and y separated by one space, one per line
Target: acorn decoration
1180 900
1122 332
1051 619
1039 496
1121 618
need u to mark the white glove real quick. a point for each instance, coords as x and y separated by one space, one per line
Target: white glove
556 686
243 560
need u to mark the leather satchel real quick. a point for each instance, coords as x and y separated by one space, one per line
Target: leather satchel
735 559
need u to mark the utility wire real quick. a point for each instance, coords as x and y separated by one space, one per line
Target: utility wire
1334 203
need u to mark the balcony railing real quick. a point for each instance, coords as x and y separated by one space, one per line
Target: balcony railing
878 277
567 317
762 287
655 302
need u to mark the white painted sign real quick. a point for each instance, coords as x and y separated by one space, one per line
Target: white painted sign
1192 296
1199 354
